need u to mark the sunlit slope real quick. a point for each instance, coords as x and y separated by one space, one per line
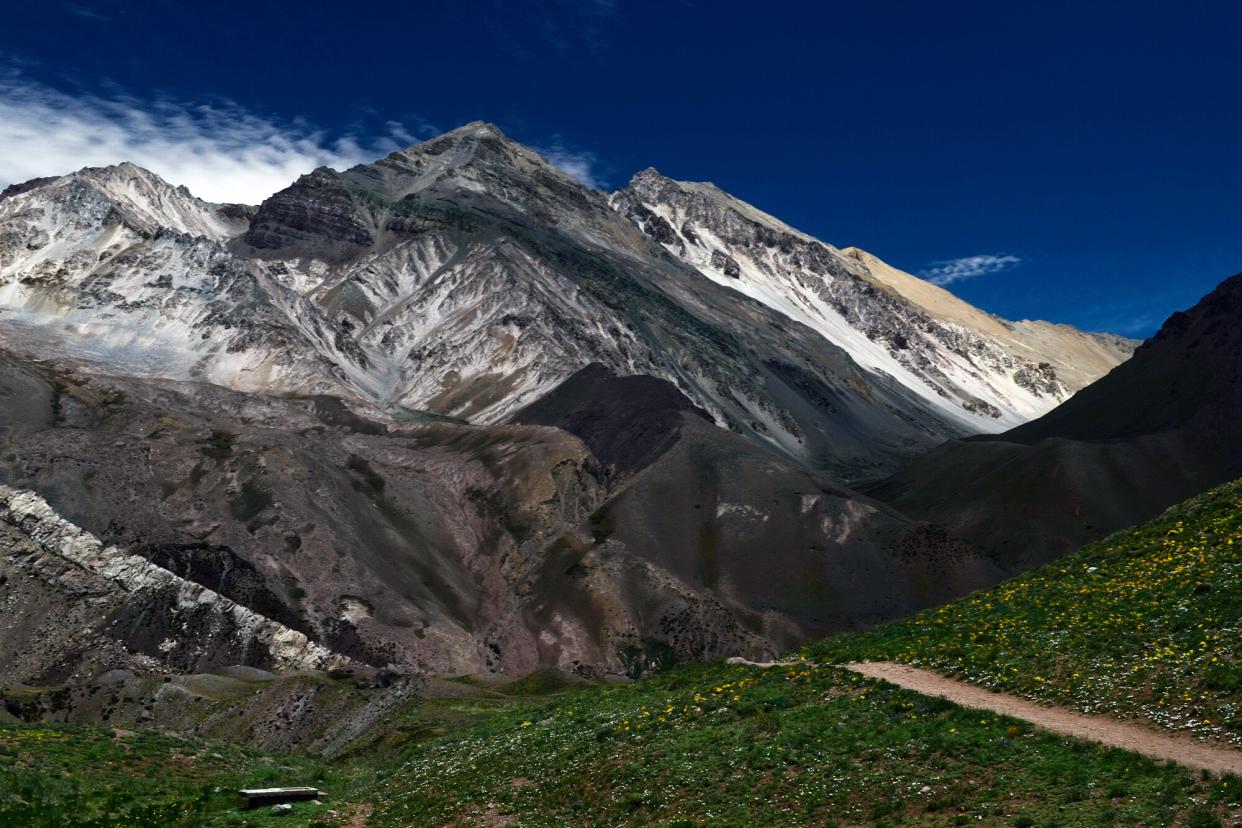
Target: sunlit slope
1146 622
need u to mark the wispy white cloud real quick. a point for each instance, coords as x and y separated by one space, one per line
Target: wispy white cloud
220 151
578 164
968 267
83 11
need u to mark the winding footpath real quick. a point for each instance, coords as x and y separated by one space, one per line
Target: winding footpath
1105 730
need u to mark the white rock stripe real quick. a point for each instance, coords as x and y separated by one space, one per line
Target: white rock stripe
290 649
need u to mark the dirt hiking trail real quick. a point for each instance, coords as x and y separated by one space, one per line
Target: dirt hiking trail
1177 748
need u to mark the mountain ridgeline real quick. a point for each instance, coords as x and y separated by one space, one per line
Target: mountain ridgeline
456 412
467 277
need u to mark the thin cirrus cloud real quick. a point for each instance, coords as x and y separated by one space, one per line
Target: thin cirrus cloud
220 151
968 267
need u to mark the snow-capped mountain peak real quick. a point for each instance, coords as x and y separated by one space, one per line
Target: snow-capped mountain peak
139 199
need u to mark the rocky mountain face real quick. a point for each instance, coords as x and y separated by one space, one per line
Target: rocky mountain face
468 277
1077 358
481 277
698 502
120 610
455 412
385 542
1156 430
116 266
979 372
434 545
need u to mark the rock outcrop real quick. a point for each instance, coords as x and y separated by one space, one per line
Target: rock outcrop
139 614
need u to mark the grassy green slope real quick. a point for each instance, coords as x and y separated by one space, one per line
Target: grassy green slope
1145 623
65 775
814 745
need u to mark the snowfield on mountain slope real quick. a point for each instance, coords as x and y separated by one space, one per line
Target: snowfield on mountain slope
981 372
796 298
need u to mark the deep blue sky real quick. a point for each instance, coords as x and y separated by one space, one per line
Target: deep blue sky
1099 143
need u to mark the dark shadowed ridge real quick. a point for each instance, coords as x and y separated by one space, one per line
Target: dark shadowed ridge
625 421
699 502
1187 376
1160 428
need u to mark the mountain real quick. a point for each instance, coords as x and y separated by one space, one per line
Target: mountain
1157 429
118 611
116 266
468 277
696 502
456 412
431 544
385 542
976 370
486 277
1077 358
